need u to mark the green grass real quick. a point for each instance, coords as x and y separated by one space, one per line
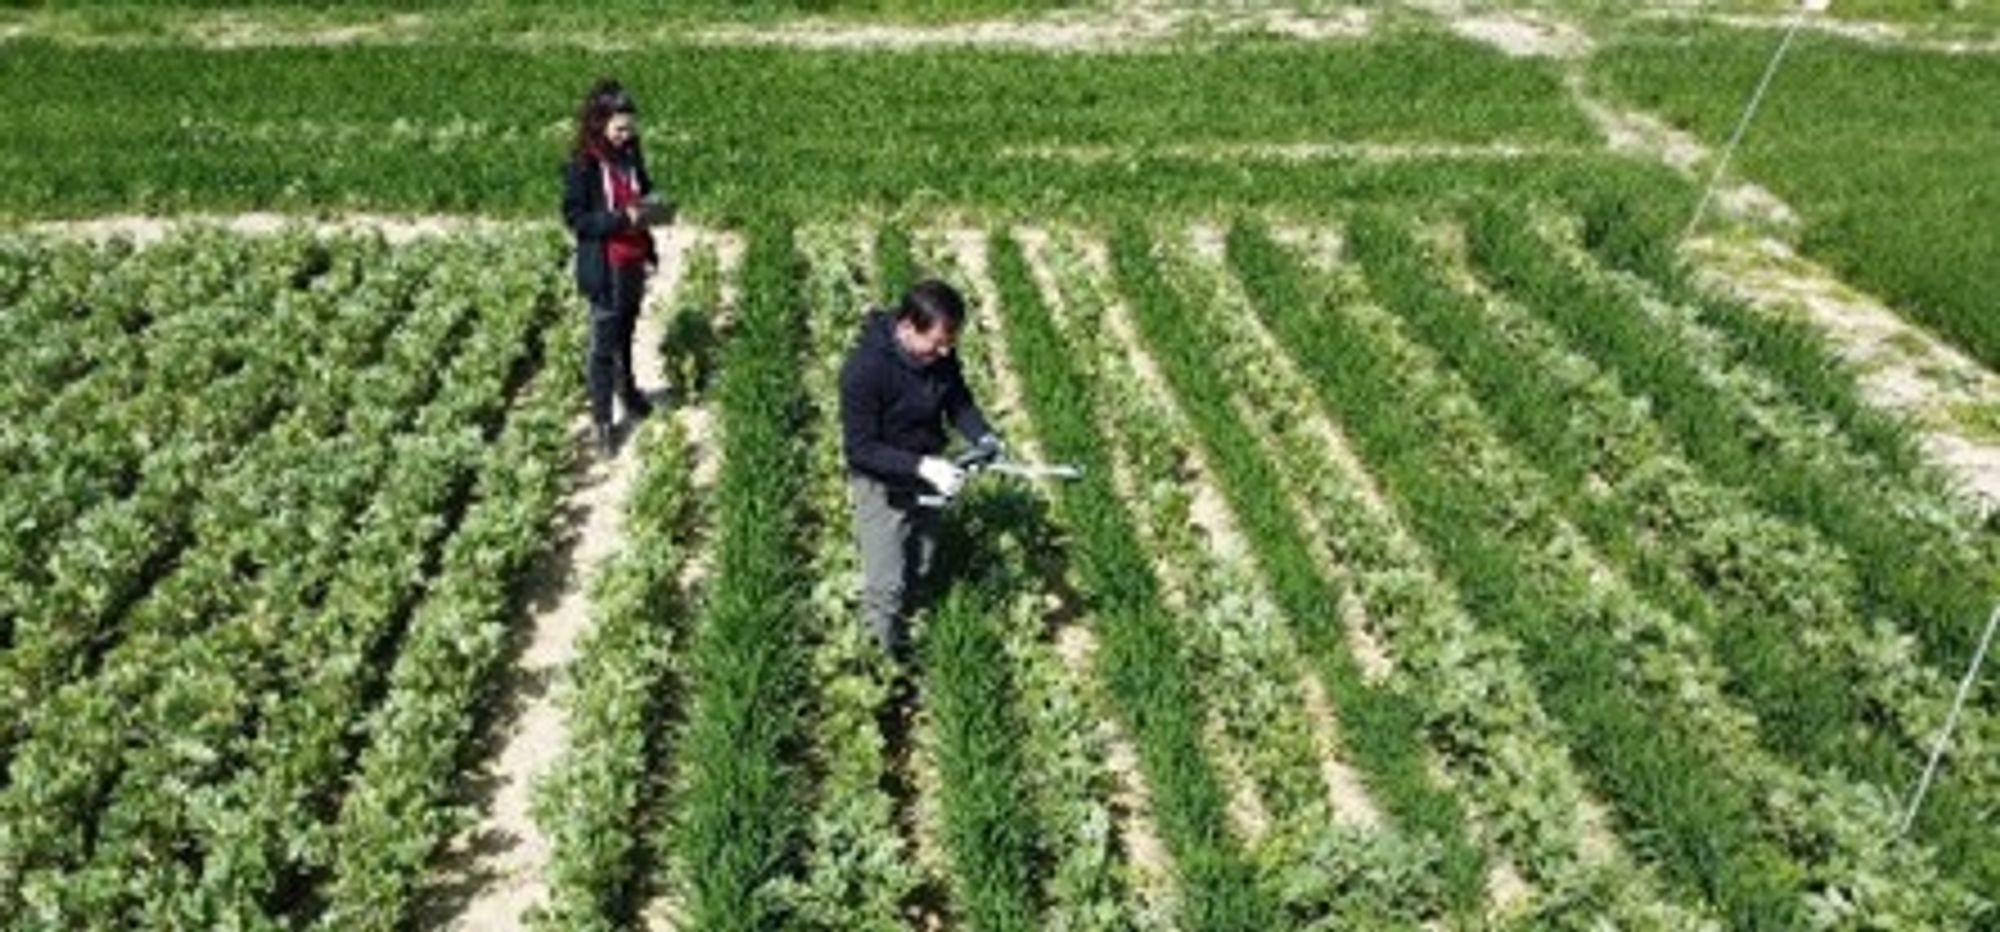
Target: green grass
734 130
1888 154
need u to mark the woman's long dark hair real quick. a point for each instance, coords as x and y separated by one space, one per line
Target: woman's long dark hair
607 98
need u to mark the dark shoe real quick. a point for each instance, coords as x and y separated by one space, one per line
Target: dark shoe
605 439
637 407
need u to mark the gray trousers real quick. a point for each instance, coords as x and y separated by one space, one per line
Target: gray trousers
898 543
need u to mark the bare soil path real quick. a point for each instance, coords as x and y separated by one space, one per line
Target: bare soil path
496 868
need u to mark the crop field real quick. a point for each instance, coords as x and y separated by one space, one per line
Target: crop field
1462 541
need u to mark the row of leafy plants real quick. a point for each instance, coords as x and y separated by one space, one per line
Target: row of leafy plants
862 866
206 646
1380 727
1319 863
107 527
72 762
598 803
1500 754
1633 683
1142 656
1014 555
1845 697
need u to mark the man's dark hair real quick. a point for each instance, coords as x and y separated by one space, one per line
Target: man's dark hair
930 302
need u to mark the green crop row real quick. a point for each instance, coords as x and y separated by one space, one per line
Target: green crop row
112 526
861 870
1793 838
73 759
1918 563
1380 727
738 812
197 657
391 817
1749 583
1081 879
1143 660
1472 517
1846 698
272 844
469 396
735 130
1317 865
1498 749
1875 146
624 687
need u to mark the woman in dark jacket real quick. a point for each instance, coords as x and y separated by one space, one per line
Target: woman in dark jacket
608 203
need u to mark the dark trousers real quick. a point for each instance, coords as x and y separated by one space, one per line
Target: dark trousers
608 358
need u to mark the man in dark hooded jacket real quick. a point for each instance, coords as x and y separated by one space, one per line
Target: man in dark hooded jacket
899 386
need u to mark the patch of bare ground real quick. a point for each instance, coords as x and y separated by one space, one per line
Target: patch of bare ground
1132 802
1323 248
1070 31
236 30
1507 892
1518 33
1902 367
1345 791
497 865
1247 811
1076 644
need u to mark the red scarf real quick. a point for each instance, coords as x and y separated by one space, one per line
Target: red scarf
631 245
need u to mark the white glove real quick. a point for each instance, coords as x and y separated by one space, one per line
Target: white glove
941 474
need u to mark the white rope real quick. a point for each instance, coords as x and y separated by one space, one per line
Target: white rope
1950 722
1743 123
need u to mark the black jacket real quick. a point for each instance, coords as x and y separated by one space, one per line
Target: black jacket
592 220
892 410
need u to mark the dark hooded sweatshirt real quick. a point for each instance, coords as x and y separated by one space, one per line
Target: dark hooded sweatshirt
892 410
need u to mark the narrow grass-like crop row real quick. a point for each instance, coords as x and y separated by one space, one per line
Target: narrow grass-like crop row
1503 755
1631 242
859 869
1081 879
1317 868
1143 661
1844 697
1764 842
1518 570
1381 728
738 806
961 118
624 687
1918 564
1921 560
